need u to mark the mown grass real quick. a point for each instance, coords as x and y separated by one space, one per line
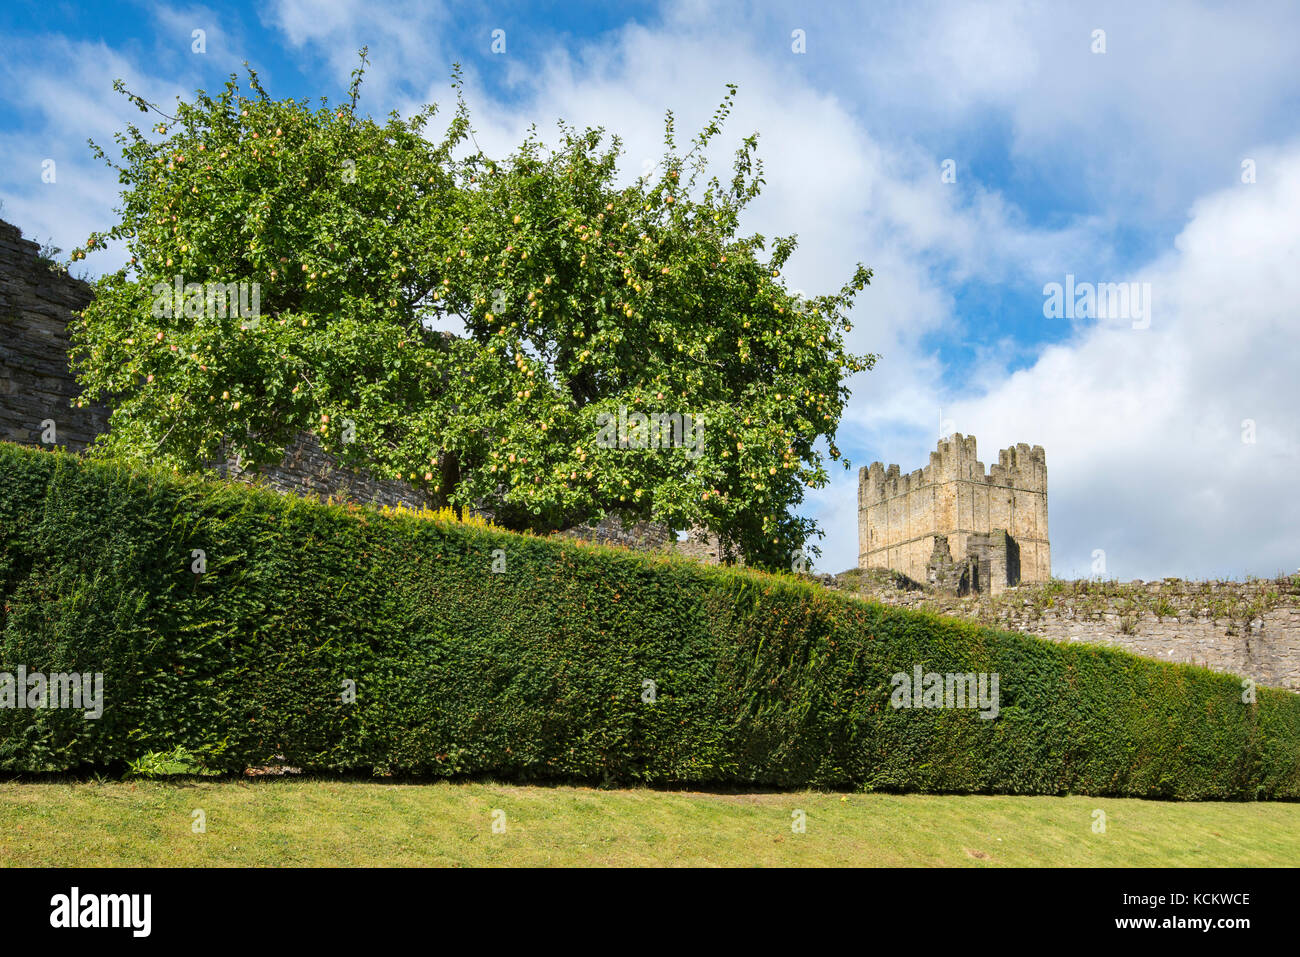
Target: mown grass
312 822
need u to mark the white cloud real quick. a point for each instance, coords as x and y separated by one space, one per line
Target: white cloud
67 97
404 39
1163 114
1143 428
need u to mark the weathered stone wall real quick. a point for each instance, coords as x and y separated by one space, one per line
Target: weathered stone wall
309 470
899 515
36 302
948 575
1244 628
648 536
642 536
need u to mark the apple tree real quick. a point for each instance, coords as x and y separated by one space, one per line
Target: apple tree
619 345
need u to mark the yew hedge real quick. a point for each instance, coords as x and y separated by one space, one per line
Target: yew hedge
543 670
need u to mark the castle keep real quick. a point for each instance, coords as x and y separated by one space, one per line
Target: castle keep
952 525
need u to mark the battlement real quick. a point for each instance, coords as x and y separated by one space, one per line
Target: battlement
1021 467
900 515
956 459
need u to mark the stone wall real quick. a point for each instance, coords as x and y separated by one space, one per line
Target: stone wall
899 515
698 543
642 536
309 470
1243 628
991 564
948 575
36 388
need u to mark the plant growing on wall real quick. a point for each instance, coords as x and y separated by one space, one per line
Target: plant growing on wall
620 347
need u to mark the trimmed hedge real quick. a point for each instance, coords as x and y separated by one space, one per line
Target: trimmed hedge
538 672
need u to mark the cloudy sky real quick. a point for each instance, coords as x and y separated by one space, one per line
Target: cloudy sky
971 154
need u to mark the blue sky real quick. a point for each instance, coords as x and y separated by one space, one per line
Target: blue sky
1115 166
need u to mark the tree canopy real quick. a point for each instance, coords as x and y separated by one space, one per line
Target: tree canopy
587 305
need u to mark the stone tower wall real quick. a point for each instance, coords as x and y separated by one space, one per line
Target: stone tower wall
36 302
900 515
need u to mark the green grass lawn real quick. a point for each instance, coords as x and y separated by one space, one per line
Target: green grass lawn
286 821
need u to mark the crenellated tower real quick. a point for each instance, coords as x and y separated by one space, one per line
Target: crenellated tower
995 520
